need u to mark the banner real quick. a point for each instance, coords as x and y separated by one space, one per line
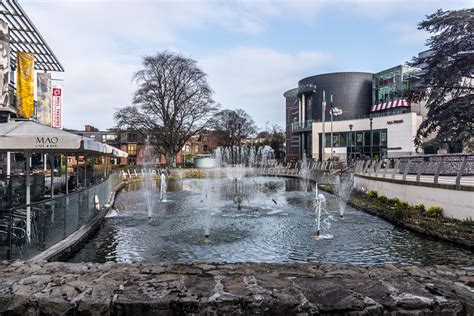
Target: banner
25 84
57 106
44 110
4 64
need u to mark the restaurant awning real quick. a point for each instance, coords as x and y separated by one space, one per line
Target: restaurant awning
23 135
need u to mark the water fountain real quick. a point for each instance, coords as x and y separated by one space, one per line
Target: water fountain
163 186
305 173
342 185
148 178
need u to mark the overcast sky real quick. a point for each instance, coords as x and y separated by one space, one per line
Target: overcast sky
252 51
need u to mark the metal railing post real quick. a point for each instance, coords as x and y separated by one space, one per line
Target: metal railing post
395 168
459 175
438 171
407 168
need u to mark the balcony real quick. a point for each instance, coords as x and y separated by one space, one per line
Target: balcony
305 126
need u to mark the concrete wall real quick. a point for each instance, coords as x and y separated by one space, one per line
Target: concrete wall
455 203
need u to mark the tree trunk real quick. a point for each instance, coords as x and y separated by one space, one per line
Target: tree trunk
169 159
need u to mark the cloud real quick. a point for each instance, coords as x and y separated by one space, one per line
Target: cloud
100 44
255 78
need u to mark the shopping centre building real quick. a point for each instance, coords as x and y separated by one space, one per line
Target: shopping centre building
373 115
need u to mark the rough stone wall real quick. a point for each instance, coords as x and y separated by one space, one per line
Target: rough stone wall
40 288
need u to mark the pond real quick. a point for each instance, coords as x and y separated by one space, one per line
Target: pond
275 223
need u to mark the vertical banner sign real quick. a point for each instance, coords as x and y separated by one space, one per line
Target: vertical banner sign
4 64
25 84
57 106
44 109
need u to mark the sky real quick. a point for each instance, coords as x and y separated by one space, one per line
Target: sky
252 51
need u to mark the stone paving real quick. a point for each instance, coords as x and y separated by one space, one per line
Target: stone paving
40 288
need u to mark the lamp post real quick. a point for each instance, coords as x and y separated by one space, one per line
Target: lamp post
371 140
350 142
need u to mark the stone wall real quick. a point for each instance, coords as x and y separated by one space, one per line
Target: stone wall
40 288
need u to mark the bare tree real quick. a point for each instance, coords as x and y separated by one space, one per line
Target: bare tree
172 103
235 124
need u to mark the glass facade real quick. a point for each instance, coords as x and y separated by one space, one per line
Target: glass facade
392 84
361 143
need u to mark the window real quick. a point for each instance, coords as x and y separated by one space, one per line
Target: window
383 137
335 140
196 148
359 138
132 149
376 138
367 138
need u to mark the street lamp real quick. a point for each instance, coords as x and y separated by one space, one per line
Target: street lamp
371 140
350 140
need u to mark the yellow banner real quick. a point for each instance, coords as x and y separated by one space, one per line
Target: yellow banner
25 84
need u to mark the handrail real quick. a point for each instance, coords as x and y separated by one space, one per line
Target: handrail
23 206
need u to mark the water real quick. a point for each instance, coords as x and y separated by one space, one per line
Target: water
276 223
148 181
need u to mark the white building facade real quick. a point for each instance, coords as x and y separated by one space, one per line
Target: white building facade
387 136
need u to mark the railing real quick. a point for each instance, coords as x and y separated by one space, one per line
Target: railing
455 169
50 220
302 126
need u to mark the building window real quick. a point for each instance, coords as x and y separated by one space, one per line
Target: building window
132 149
196 148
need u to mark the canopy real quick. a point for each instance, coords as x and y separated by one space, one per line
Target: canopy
116 152
390 105
23 135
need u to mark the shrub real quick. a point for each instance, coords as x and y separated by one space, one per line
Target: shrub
403 205
434 211
469 222
400 213
419 207
394 202
372 194
383 199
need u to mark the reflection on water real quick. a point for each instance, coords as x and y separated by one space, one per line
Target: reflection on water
275 224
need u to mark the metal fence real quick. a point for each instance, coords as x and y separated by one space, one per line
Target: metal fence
50 220
455 169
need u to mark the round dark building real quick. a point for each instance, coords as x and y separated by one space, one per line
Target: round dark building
352 93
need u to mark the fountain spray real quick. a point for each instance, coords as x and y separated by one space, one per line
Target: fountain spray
320 201
163 186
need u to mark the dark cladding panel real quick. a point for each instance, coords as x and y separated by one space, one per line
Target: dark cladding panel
292 140
352 93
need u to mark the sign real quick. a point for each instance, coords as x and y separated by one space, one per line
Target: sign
395 122
46 142
57 107
394 148
4 64
44 109
25 84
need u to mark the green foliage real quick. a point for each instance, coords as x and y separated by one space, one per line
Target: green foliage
383 199
394 202
445 82
469 222
403 205
400 213
372 194
419 207
434 211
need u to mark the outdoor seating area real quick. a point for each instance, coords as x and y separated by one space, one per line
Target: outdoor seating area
38 208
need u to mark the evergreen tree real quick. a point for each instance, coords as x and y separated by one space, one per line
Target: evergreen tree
447 81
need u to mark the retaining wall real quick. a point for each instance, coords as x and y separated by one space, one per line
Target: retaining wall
458 204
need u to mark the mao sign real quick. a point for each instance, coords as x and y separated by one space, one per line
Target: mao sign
46 142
